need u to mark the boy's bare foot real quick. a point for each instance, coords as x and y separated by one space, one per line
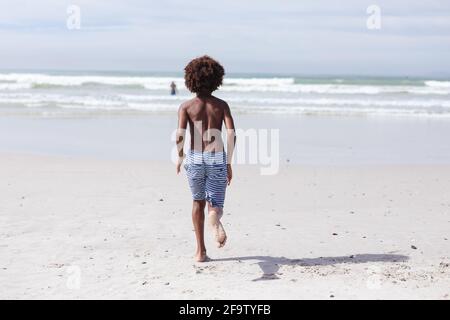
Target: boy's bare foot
201 256
219 232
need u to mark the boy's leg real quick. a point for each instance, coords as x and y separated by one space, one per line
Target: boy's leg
198 219
196 177
215 188
214 216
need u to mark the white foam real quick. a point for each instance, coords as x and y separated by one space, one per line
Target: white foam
160 102
259 82
32 79
245 95
14 86
339 89
438 84
17 81
344 102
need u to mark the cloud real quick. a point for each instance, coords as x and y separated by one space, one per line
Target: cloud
315 37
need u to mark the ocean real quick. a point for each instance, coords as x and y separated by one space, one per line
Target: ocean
93 94
320 120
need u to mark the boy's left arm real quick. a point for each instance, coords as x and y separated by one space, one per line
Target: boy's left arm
231 140
181 133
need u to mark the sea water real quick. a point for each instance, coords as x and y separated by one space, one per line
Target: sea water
67 94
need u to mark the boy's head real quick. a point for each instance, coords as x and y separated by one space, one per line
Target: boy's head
203 75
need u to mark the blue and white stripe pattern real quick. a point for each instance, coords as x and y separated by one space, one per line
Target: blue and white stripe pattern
207 176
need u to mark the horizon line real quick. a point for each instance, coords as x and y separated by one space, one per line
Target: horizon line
248 73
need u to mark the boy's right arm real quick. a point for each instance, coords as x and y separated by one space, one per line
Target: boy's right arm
181 133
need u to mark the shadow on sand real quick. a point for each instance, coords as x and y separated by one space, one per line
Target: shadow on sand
271 265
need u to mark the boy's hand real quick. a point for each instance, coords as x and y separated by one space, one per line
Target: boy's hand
179 163
229 174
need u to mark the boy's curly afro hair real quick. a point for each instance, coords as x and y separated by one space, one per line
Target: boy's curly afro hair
203 75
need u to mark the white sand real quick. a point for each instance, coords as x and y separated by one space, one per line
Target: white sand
125 227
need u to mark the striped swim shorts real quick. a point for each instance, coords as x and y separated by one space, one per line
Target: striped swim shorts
207 176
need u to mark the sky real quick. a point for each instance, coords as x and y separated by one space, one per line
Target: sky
320 37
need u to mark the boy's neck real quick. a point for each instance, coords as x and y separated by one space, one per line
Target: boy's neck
204 95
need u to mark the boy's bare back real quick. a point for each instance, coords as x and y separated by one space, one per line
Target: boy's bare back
206 114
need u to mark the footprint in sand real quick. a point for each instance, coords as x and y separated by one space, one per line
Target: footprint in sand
219 233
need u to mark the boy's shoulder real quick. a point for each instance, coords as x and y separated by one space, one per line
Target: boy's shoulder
196 101
186 104
220 101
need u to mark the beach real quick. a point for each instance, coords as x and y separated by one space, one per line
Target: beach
76 227
355 204
333 116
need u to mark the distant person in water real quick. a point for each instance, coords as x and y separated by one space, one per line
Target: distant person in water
173 88
208 167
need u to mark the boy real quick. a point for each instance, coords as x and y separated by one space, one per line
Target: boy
208 167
